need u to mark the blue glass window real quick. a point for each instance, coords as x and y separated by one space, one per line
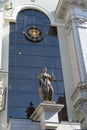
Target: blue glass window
26 60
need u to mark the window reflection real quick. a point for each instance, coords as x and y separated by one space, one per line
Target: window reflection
26 61
30 109
63 113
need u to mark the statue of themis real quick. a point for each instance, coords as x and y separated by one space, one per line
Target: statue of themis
45 90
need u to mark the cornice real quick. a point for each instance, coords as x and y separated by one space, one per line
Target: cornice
78 20
79 96
64 5
80 88
79 103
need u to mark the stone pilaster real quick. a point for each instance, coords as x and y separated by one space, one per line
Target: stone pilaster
79 99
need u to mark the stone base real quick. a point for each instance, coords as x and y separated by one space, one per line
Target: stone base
47 114
49 102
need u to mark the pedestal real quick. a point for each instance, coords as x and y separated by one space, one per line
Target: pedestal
47 114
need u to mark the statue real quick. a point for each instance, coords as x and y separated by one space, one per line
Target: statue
45 90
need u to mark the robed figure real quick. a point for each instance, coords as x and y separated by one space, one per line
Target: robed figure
45 90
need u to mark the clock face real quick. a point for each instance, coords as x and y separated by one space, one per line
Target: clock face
34 34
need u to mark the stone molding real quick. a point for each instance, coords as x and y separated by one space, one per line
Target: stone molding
68 11
79 96
8 4
48 106
11 15
64 5
77 19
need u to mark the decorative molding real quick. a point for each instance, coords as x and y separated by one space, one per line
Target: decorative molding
8 5
79 96
2 98
3 79
80 87
14 12
79 99
82 107
79 20
64 5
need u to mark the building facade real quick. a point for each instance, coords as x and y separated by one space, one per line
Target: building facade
37 34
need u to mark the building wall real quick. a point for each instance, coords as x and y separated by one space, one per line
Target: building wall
48 7
67 70
74 15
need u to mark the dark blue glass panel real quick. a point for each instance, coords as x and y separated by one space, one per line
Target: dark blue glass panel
12 112
12 75
11 97
59 74
55 87
26 85
35 61
25 99
11 86
20 112
26 60
61 87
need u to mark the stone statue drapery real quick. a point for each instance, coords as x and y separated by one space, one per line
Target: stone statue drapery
45 90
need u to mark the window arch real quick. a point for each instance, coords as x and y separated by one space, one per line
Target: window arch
26 60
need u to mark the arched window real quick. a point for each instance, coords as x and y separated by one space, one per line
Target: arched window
27 58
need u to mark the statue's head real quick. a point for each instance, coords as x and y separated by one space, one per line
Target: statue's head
44 69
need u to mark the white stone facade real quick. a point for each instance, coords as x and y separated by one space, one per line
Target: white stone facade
70 17
74 14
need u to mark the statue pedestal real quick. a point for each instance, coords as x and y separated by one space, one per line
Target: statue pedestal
47 114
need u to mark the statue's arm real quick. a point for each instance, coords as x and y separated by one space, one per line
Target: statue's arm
40 77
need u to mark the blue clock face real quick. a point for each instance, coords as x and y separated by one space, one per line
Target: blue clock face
34 34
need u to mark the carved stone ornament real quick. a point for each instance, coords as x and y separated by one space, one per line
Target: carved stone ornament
34 34
2 98
64 5
83 109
